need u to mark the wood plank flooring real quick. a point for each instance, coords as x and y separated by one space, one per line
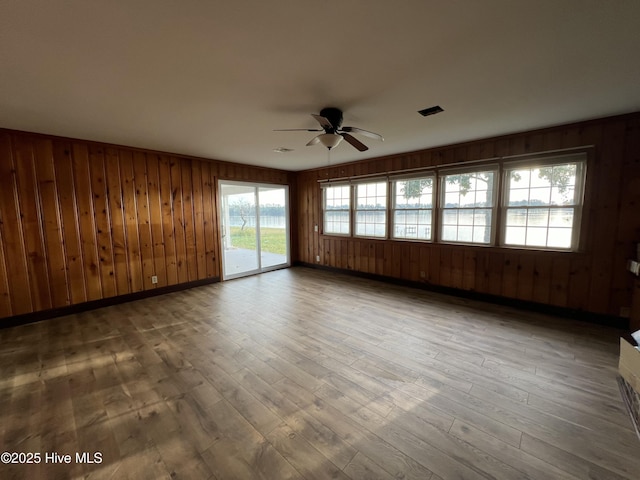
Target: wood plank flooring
307 374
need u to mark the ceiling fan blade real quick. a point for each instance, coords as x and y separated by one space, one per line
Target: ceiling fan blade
355 142
314 141
298 130
366 133
322 121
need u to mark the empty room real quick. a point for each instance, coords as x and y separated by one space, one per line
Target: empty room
319 240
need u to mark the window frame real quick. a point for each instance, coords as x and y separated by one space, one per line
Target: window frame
355 209
326 187
581 160
442 174
501 168
393 181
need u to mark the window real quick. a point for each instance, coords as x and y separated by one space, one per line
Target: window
371 209
467 206
337 209
531 203
413 208
541 205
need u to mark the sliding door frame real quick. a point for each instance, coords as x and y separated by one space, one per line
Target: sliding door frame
223 226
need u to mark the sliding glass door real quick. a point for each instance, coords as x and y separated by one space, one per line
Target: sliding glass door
254 228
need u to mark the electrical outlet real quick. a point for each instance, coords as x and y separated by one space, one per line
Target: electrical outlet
154 279
315 228
423 275
317 258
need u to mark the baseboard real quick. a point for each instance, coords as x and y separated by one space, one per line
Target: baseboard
103 302
609 320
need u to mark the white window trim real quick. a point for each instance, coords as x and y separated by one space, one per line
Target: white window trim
355 209
392 208
442 174
349 210
499 207
580 159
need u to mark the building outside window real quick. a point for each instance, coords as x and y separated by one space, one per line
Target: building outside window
467 206
337 209
542 205
412 209
371 209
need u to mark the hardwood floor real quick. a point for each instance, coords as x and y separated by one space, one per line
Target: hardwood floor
309 374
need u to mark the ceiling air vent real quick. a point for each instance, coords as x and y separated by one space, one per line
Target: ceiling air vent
430 111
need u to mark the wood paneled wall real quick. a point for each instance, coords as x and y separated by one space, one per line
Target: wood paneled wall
83 221
594 280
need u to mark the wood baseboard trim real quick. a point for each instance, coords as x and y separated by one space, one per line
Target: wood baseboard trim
103 302
601 319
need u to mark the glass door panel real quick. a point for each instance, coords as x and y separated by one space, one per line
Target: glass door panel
274 235
239 232
254 228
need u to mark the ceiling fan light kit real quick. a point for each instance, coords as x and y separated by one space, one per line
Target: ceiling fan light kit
329 140
330 119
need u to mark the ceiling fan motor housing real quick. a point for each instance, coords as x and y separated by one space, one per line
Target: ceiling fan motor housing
334 115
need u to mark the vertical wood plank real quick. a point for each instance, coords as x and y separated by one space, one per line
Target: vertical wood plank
187 219
210 213
215 253
510 275
414 262
51 223
331 252
578 285
315 207
445 267
155 214
5 299
198 219
177 211
357 256
525 267
344 253
116 209
86 216
542 279
102 220
608 164
496 267
217 248
628 228
425 263
380 252
132 234
560 277
351 253
469 270
168 226
395 250
144 218
482 271
29 199
434 265
368 252
74 263
12 232
457 267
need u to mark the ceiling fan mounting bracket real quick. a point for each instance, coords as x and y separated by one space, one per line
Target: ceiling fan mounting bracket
334 115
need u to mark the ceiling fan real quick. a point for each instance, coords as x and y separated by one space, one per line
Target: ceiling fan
330 119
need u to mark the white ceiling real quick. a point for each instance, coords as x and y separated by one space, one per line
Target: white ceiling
214 78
